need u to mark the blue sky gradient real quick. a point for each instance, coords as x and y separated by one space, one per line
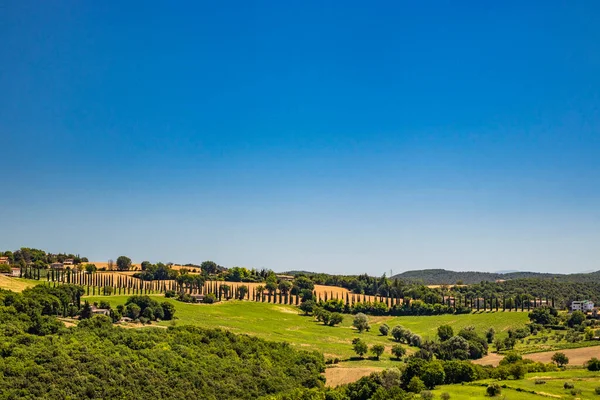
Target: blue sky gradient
344 139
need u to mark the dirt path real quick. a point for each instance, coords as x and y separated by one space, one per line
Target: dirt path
338 376
576 356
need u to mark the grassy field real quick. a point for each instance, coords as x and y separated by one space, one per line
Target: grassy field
584 381
284 323
16 284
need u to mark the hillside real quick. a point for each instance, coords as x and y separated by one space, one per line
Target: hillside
444 276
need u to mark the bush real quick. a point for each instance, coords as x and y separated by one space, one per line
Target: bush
568 385
493 389
426 395
540 382
361 322
360 347
415 385
384 329
335 319
593 364
560 359
210 298
170 294
597 390
398 351
377 350
445 396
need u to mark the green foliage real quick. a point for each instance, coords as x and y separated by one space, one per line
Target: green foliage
511 358
157 271
427 395
384 329
209 298
593 364
398 351
433 374
360 347
544 316
361 322
560 359
493 389
123 263
445 332
576 318
490 334
415 385
148 308
90 268
377 350
98 360
308 307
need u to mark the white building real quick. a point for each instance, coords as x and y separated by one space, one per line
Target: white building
583 305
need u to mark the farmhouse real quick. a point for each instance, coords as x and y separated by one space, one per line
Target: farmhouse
57 266
583 305
4 260
100 311
15 272
285 277
68 262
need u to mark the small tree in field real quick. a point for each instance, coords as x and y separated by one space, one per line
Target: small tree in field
377 350
123 263
445 332
493 389
361 322
489 335
360 347
384 329
398 351
335 319
308 307
560 359
242 292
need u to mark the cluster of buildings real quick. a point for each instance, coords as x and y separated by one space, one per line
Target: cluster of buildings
584 306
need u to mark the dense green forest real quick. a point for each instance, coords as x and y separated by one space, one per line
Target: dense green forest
446 277
41 359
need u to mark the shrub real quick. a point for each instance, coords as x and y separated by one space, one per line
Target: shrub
361 322
210 298
415 385
445 396
360 347
335 319
568 385
377 350
398 351
597 390
540 382
445 332
593 364
493 389
426 395
170 294
384 329
560 359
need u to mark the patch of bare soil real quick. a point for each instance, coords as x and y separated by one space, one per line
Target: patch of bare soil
576 356
339 376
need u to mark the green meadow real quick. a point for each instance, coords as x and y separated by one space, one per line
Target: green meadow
584 382
285 323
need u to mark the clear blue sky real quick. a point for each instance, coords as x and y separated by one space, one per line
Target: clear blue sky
339 137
